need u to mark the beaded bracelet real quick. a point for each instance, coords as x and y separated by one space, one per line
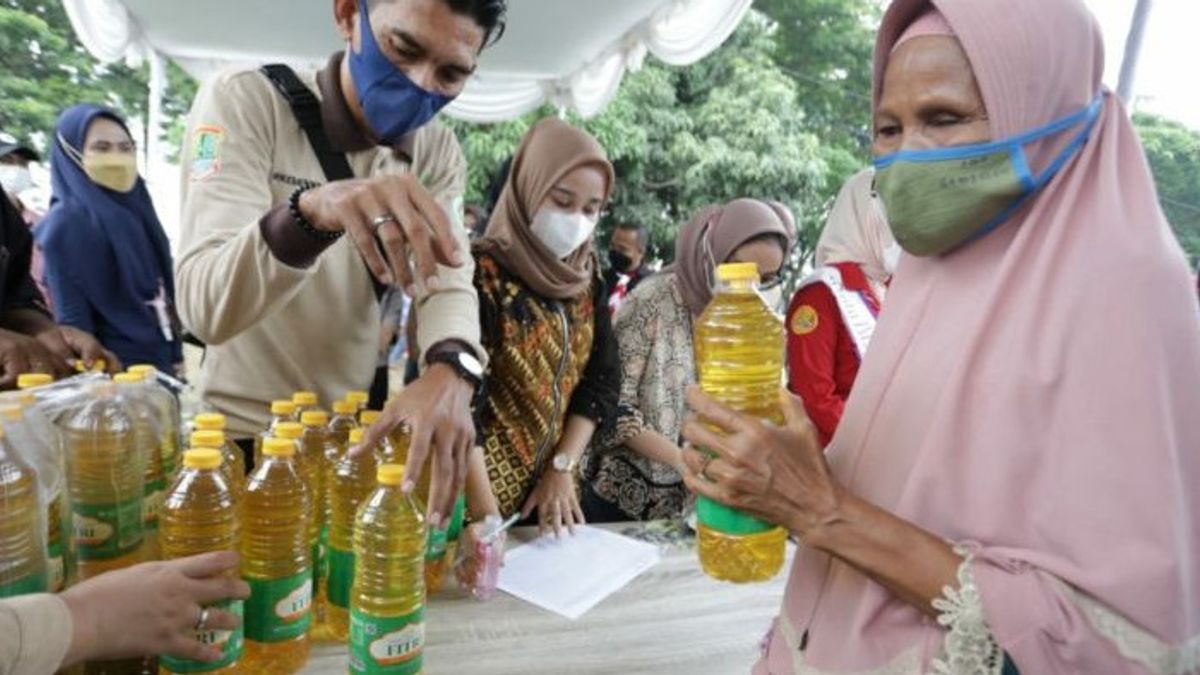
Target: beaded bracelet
303 223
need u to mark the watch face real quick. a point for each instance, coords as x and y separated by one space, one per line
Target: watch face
562 462
470 364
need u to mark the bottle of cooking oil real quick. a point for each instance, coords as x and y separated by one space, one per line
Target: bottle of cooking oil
231 458
51 469
342 422
276 562
147 437
281 411
105 469
318 448
351 480
360 399
199 515
387 599
368 417
168 413
305 400
395 451
739 358
22 552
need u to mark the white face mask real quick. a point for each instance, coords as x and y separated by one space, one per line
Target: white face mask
891 258
562 233
15 179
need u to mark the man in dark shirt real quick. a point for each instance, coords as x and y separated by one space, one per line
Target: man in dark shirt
30 341
626 262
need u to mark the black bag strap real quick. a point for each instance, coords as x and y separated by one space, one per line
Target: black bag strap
307 110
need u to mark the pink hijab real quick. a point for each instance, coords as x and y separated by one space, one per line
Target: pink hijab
1034 395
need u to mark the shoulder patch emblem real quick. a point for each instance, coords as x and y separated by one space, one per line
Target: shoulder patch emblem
206 151
805 320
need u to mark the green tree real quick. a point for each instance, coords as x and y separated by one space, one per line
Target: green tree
1173 151
44 69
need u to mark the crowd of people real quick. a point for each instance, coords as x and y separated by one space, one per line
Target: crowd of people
998 337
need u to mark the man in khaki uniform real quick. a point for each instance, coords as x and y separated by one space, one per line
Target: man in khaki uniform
265 277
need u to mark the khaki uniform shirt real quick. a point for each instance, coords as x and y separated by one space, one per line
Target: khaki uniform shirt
279 310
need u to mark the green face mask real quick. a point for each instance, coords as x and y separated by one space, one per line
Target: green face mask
936 200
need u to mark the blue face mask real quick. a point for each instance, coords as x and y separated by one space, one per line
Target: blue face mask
938 199
393 104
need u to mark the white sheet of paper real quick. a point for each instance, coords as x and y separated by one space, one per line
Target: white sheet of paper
569 576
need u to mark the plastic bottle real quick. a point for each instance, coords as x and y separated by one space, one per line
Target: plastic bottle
342 422
231 459
351 481
739 359
282 410
47 458
318 450
360 399
387 599
368 417
168 413
148 438
199 515
105 471
22 545
276 562
305 401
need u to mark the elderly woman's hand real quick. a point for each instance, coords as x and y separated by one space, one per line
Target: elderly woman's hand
777 474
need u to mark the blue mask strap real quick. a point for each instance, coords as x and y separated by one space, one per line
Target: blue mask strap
1032 185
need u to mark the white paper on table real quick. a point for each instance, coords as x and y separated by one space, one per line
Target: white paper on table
571 575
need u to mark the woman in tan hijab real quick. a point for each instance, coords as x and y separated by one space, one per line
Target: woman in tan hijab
553 376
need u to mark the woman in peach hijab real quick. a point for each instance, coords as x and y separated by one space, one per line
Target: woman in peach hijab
1012 486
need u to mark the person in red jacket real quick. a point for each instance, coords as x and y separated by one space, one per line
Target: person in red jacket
832 315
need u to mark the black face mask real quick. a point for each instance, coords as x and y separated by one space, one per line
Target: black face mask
619 261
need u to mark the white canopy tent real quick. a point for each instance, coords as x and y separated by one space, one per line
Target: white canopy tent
570 53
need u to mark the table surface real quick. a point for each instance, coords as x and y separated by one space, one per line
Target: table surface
670 620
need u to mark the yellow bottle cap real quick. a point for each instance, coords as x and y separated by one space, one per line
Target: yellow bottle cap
143 368
129 378
283 408
12 413
356 436
289 430
202 458
390 474
279 447
210 421
738 272
368 417
358 397
208 438
345 407
98 366
304 398
314 418
31 380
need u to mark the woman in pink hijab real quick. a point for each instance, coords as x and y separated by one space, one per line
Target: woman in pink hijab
1013 484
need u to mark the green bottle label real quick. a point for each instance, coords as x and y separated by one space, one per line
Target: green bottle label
155 493
341 577
56 566
435 544
279 609
230 642
387 645
34 583
105 531
454 531
728 520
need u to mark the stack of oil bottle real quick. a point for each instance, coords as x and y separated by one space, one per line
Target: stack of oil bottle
94 477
